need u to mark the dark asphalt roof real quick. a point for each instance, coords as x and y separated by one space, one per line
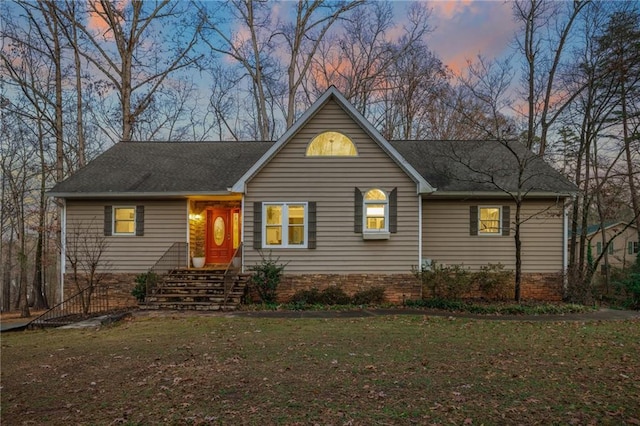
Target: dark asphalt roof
481 166
130 168
164 167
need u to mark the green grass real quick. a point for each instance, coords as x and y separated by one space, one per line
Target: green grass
374 370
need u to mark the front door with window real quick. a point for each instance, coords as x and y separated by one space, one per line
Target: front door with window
219 236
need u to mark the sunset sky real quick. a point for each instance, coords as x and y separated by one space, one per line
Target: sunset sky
465 28
462 29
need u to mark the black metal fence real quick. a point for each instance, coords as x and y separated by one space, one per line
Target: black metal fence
86 303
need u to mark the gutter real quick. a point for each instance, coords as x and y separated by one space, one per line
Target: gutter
497 194
168 194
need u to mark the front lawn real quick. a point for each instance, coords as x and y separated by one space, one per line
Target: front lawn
376 370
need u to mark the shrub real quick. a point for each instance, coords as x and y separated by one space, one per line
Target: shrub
144 282
334 295
308 297
494 282
450 282
627 285
370 296
266 277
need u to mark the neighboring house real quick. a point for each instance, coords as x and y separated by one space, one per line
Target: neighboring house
622 239
331 198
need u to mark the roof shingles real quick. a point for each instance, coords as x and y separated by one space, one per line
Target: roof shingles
184 168
130 168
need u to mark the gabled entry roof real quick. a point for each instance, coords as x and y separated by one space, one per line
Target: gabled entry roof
333 93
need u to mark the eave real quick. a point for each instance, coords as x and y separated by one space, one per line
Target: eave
498 194
138 195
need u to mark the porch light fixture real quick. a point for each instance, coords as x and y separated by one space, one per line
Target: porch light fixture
194 216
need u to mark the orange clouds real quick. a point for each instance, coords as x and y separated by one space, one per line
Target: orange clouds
97 16
465 28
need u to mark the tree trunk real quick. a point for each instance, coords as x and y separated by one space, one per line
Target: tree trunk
518 243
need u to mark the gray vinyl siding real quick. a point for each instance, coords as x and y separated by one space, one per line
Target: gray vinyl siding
330 182
165 222
446 236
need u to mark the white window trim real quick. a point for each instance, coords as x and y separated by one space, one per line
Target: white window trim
375 234
285 224
113 221
490 234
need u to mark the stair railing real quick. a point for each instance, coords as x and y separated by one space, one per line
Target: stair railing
230 274
175 257
87 302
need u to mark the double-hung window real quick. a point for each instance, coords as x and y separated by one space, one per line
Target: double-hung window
124 220
285 225
489 221
376 211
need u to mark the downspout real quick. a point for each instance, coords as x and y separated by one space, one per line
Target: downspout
242 216
420 237
63 246
188 233
565 242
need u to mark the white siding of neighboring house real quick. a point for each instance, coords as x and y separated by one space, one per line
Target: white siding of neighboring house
330 182
165 222
447 240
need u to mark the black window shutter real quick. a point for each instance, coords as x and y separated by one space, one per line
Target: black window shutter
630 247
473 220
257 225
506 220
393 211
108 221
357 208
139 221
311 225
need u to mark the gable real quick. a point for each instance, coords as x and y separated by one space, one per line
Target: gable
292 159
339 113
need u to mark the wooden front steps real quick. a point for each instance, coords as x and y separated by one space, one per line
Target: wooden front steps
207 289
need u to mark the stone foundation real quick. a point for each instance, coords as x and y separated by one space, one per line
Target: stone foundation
401 287
398 287
116 288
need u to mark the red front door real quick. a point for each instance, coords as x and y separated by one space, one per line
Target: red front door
219 231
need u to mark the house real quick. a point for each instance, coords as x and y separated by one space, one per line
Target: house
622 240
331 198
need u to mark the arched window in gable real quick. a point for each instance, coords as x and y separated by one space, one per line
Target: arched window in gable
331 144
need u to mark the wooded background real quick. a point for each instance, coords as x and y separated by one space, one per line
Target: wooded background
78 77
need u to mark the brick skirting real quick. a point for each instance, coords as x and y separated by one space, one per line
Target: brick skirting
542 286
398 287
401 287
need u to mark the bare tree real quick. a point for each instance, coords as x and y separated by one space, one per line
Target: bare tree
620 44
417 84
543 55
84 252
358 59
253 48
312 22
514 172
127 45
